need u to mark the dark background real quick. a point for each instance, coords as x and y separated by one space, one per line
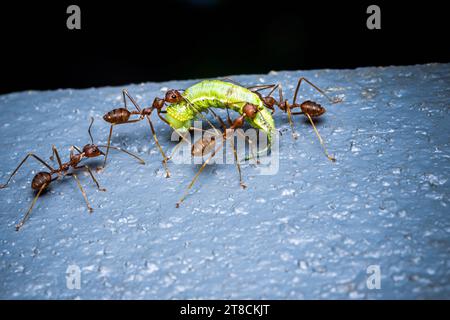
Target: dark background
129 41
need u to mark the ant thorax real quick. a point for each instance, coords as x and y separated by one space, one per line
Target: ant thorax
75 159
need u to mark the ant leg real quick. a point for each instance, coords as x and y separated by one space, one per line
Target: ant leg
331 158
125 151
108 144
161 117
274 87
183 137
89 130
288 111
159 111
255 88
125 93
27 215
228 79
159 147
332 100
200 113
82 191
198 173
238 166
224 127
77 149
55 152
52 157
21 163
261 87
294 133
92 176
230 123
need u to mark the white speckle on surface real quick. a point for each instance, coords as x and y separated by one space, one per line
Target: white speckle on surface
240 211
151 267
287 192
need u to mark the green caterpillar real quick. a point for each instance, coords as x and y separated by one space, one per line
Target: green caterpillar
219 94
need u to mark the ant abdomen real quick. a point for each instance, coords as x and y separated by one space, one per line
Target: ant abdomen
117 116
312 108
40 179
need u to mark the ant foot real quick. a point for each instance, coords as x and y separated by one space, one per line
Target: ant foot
295 135
90 210
178 204
3 186
331 158
102 189
243 185
337 100
100 169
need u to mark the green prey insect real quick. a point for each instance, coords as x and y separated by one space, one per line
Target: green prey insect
217 94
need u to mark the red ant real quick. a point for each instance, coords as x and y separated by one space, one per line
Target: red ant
43 179
308 108
207 144
122 116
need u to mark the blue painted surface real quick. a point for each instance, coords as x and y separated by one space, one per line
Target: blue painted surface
310 231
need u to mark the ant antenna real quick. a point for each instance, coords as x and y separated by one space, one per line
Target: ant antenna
89 130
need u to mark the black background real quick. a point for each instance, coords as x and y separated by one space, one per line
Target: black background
130 41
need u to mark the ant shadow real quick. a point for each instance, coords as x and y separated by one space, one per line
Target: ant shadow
317 121
136 138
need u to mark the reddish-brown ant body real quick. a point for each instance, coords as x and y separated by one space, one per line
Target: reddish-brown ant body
44 178
122 116
308 108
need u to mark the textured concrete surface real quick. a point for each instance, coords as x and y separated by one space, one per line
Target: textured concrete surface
310 231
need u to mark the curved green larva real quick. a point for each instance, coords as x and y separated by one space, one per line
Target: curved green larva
219 94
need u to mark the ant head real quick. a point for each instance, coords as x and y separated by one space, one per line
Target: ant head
269 101
173 96
92 151
250 110
312 108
